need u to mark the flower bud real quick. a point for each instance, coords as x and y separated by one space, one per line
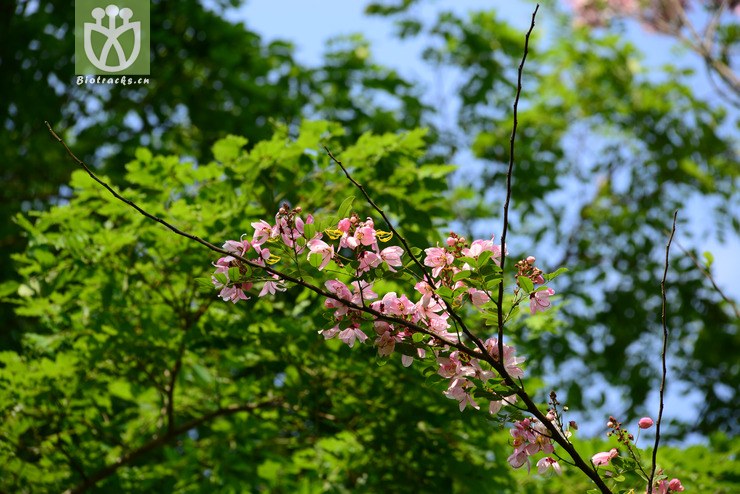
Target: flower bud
645 423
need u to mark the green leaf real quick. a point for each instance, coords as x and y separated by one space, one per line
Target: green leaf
227 149
484 257
309 230
234 274
444 291
345 208
315 260
552 276
526 284
708 259
221 278
465 273
418 337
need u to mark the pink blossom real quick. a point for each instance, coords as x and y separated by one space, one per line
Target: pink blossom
540 301
351 334
458 390
237 246
262 232
222 266
449 367
344 225
604 458
360 296
235 293
264 254
675 485
392 257
397 306
546 463
364 235
438 258
519 457
368 260
271 287
645 423
477 247
321 248
478 297
512 363
330 333
386 343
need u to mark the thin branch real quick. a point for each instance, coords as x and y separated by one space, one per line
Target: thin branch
509 174
662 357
162 440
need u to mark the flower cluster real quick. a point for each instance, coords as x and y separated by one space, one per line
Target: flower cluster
661 486
530 436
417 326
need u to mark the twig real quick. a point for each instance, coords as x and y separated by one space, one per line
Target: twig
509 174
662 357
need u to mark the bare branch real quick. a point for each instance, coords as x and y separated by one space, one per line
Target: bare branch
509 174
662 357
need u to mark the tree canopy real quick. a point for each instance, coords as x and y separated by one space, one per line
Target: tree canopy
122 373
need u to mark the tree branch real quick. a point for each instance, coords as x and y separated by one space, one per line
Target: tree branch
662 357
509 174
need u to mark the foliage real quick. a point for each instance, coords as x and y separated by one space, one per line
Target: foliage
112 351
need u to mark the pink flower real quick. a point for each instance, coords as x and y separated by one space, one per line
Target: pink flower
546 463
675 485
437 258
330 333
519 457
364 235
368 260
321 248
235 293
511 361
271 287
392 257
477 247
604 458
478 297
458 390
344 225
540 301
645 423
237 247
262 232
361 296
351 334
